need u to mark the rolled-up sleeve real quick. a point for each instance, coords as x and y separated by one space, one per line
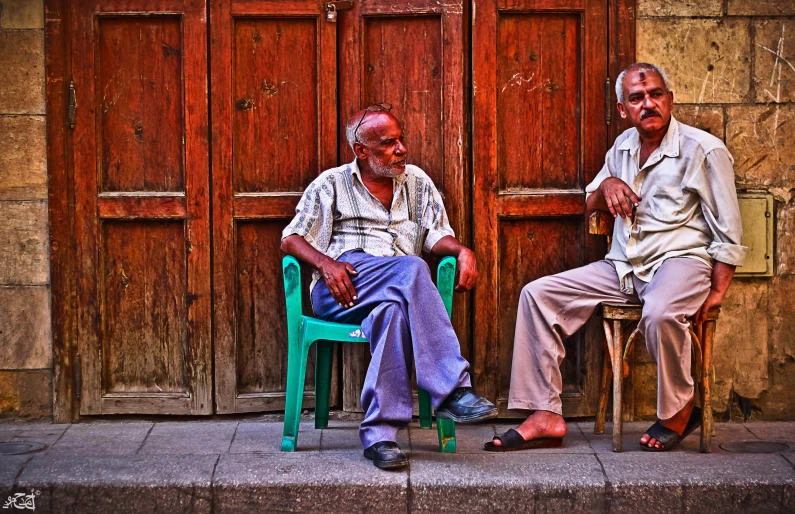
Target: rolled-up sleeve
314 216
435 219
721 209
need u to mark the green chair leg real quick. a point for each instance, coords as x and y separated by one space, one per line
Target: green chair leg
425 408
296 374
324 353
446 430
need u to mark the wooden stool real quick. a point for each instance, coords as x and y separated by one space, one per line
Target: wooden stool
617 357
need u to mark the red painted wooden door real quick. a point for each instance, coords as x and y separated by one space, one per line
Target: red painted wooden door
142 214
539 136
274 121
412 55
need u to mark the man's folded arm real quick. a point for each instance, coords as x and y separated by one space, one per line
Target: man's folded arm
715 187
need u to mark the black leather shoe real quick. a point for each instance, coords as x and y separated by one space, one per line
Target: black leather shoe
464 406
386 455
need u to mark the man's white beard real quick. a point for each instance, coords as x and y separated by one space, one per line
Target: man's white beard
383 170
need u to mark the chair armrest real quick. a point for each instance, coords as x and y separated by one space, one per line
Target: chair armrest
600 223
445 281
291 271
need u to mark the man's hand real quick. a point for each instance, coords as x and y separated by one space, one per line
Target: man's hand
714 299
466 270
338 280
722 275
619 197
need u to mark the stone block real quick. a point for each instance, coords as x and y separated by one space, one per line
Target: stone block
774 60
22 72
306 482
189 438
136 483
740 350
507 483
468 438
23 243
644 389
707 61
761 7
22 14
266 437
102 439
693 482
25 328
23 158
785 243
706 118
649 8
760 140
776 402
26 394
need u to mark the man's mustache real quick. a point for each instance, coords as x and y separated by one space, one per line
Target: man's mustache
650 112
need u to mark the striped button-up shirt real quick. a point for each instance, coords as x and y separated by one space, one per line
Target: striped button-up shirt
689 203
338 213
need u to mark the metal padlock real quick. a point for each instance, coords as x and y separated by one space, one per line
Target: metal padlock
331 13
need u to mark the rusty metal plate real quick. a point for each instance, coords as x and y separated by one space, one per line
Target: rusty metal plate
10 448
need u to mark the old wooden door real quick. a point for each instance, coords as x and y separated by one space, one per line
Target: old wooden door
274 120
539 136
410 54
142 206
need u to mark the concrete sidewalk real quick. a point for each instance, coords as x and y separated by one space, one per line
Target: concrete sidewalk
235 466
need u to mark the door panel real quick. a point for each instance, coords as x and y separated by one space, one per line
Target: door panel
274 130
539 136
410 54
142 211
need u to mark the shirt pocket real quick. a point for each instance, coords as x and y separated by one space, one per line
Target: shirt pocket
666 203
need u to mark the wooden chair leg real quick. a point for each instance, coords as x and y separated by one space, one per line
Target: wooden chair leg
618 378
424 399
324 357
708 333
604 395
296 374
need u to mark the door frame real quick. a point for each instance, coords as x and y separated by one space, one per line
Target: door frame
61 198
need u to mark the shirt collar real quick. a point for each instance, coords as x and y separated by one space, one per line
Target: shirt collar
669 146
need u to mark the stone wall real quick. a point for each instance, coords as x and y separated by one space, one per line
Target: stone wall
25 338
732 68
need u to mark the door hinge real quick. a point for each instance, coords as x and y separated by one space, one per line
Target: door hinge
72 104
607 101
78 384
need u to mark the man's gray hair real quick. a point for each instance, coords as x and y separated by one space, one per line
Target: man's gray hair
350 131
639 66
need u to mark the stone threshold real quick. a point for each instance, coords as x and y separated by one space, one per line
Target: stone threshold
236 466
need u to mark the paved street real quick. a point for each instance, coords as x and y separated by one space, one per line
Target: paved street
235 466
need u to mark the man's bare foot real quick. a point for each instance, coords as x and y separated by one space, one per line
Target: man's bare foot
677 423
540 423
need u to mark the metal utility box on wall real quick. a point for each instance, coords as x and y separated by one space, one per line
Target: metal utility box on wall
756 210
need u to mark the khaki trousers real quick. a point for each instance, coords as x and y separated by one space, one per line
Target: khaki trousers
554 307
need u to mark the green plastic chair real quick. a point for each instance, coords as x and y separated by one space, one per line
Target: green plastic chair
303 330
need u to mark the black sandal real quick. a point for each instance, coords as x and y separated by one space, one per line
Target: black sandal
669 438
513 441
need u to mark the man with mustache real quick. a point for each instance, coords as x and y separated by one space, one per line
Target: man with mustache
363 227
676 243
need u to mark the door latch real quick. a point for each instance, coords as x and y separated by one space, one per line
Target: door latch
333 7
